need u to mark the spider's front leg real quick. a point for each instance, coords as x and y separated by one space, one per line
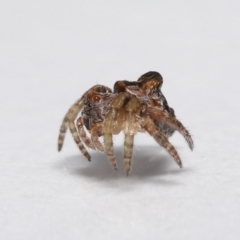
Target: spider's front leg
72 113
109 124
83 135
68 121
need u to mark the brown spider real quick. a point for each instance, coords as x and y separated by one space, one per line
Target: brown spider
132 107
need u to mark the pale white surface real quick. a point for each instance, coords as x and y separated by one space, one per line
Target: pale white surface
51 52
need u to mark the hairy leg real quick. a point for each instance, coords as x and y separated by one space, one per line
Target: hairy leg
156 114
161 139
83 135
130 129
71 115
72 112
63 129
108 126
77 140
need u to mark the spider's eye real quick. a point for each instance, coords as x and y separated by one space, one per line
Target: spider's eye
95 97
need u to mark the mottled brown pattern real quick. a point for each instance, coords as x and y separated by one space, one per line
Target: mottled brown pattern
133 106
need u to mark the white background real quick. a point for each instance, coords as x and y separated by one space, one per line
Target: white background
53 51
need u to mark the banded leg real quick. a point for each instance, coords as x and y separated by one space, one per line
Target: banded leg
108 127
107 138
156 114
161 140
128 150
109 149
83 135
78 141
63 129
73 111
130 129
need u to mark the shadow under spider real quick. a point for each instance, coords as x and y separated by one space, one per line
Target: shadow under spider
147 162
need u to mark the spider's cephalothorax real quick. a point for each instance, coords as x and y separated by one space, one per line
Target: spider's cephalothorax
93 106
137 106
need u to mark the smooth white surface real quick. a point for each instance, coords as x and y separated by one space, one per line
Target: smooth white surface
53 51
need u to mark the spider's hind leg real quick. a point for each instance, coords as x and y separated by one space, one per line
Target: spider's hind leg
158 115
161 139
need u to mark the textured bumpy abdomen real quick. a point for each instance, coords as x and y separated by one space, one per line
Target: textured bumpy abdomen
166 130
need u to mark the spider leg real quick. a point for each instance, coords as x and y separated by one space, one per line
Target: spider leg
156 114
161 139
63 129
130 129
72 114
83 135
95 137
108 126
75 108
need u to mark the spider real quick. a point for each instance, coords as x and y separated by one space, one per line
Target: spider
133 106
